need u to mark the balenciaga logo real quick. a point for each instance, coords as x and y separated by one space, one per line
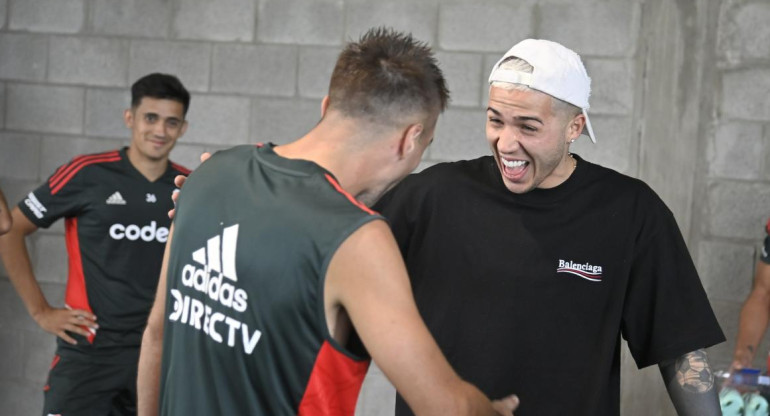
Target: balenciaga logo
584 270
34 205
116 199
214 275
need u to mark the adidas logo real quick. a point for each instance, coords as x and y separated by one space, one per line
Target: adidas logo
224 264
212 273
215 273
116 199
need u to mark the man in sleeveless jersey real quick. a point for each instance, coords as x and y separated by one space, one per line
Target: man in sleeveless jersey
755 314
530 264
115 206
278 280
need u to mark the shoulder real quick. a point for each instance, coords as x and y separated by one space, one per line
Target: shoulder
181 170
447 173
618 185
81 165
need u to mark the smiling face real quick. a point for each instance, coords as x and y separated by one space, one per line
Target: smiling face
529 140
155 125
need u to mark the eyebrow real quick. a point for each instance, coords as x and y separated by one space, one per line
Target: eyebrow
518 118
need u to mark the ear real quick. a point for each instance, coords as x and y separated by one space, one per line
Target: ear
128 117
324 105
575 127
409 139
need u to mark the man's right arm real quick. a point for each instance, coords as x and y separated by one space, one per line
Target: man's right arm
19 267
367 278
148 379
755 316
5 215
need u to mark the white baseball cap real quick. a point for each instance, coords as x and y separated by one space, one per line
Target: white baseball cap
558 72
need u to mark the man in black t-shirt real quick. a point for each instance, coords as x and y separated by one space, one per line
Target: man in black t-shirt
755 314
276 271
115 206
529 265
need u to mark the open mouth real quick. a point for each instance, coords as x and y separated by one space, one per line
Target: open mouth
514 169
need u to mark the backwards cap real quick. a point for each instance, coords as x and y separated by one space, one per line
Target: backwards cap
557 71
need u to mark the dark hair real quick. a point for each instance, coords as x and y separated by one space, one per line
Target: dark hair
160 86
387 75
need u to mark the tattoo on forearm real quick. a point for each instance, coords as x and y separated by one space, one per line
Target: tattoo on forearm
693 372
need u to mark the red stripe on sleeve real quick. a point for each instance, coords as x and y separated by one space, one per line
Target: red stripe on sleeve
75 162
74 170
334 384
350 197
76 296
767 227
180 168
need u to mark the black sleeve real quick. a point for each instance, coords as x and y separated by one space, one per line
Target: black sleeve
765 256
666 312
60 196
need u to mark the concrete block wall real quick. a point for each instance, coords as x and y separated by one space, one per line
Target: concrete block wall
259 68
733 196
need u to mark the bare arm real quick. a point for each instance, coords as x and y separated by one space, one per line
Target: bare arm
5 215
367 278
148 379
690 384
754 318
13 251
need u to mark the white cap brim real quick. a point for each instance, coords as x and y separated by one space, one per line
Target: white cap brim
588 129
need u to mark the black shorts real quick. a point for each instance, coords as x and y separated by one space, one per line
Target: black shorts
80 385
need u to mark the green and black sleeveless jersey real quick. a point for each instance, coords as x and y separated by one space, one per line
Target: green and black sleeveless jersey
245 328
116 225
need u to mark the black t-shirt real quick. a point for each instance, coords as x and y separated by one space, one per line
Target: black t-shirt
116 225
245 330
530 293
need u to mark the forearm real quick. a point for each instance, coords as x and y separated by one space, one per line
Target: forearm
690 383
15 256
148 378
754 319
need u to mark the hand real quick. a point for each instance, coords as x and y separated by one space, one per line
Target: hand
742 358
179 182
506 405
58 321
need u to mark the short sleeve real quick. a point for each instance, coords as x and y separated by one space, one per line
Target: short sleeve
765 255
60 196
666 311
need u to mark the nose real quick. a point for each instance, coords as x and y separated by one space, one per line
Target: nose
509 140
159 129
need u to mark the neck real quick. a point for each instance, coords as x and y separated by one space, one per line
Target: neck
152 169
335 147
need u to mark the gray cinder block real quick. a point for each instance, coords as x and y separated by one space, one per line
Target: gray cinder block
50 16
44 108
304 22
90 61
222 20
23 56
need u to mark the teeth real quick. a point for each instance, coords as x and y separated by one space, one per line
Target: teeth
514 163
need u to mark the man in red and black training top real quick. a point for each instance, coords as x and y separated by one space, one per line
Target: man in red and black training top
115 208
755 314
